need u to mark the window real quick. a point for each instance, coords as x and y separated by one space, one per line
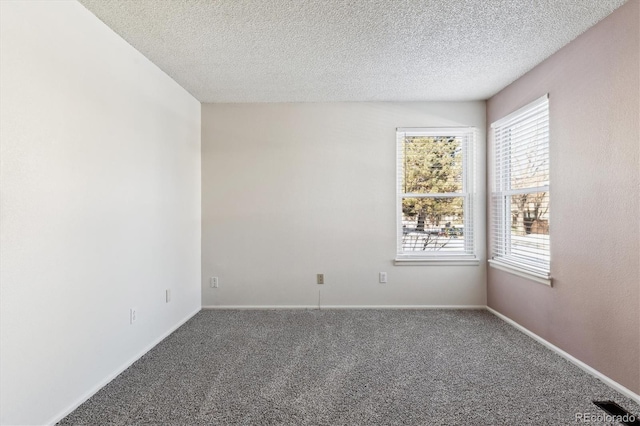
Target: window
520 196
434 201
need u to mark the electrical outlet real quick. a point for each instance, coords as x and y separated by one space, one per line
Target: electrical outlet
213 281
133 315
320 278
168 295
382 277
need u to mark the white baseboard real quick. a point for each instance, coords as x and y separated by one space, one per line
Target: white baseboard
266 307
402 307
113 375
598 375
258 307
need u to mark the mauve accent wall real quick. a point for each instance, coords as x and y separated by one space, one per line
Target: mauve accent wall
592 310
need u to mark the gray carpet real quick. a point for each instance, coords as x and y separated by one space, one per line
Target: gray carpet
347 367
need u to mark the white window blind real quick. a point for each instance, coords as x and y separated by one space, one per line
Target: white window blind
434 193
520 196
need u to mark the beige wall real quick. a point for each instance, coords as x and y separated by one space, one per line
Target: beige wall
291 190
100 181
592 310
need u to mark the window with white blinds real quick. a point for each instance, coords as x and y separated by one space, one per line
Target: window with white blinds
434 193
520 196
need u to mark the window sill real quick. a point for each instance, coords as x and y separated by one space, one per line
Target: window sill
521 272
437 261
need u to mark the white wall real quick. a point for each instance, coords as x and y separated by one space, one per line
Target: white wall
100 181
291 190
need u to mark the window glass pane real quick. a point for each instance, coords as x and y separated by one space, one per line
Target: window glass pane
520 210
529 158
529 222
432 224
432 164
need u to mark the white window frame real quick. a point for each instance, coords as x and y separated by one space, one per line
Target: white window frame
467 256
500 225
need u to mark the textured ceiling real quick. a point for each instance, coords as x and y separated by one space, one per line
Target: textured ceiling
347 50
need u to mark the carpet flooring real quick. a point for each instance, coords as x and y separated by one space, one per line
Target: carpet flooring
348 367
